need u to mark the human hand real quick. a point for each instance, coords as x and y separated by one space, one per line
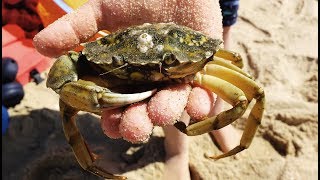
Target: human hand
78 26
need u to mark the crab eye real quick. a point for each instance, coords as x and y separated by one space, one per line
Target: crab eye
117 60
169 59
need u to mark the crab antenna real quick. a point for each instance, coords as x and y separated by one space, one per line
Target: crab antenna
126 64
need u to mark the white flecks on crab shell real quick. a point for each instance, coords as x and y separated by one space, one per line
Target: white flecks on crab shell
143 48
164 31
208 54
144 42
166 107
135 125
159 48
134 32
145 24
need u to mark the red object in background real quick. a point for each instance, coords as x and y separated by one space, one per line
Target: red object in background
24 14
16 46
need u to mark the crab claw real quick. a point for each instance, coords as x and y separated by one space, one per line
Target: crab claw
87 96
112 100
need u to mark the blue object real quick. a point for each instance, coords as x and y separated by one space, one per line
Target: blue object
5 120
12 94
229 10
9 70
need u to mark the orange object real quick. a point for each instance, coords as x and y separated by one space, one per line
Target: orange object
16 46
49 11
75 4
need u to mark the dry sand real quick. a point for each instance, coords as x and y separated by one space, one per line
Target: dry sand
278 41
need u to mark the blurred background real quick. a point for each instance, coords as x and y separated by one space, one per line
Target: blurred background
21 63
278 41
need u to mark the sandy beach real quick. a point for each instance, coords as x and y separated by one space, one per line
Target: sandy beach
278 41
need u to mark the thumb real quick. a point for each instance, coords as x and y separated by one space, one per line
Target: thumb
70 30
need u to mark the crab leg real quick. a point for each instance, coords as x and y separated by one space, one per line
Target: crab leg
234 57
230 93
223 62
80 148
236 89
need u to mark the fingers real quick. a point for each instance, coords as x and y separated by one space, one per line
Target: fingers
166 106
135 123
67 32
110 122
131 124
200 104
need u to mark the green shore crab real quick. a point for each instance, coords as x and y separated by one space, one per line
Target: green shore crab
151 54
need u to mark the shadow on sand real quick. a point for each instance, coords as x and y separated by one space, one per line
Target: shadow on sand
35 148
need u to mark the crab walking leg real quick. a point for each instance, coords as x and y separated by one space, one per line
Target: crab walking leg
251 90
230 93
225 63
253 122
87 96
247 85
84 157
234 57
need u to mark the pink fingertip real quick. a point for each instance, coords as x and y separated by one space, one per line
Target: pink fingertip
200 103
56 39
135 125
110 121
166 107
